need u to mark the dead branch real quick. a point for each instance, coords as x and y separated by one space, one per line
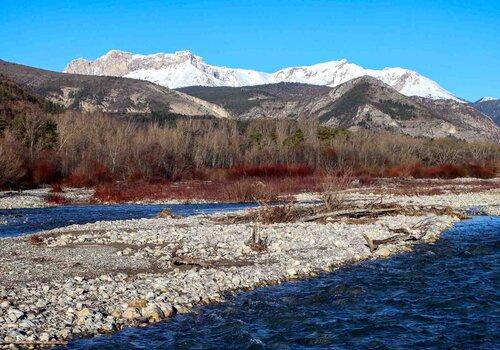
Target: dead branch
373 244
190 261
34 343
258 242
349 213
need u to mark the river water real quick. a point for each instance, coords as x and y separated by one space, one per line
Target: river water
14 222
445 295
441 296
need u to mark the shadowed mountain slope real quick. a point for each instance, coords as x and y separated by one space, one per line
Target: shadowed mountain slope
107 94
489 107
363 102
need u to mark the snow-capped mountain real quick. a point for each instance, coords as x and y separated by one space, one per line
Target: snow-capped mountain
183 68
486 99
489 106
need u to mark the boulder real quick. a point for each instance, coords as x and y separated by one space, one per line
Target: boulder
131 313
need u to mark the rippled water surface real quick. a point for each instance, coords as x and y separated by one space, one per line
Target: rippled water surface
15 222
442 296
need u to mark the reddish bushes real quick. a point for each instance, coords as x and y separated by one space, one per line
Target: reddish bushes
35 240
56 188
56 199
481 171
269 170
90 176
366 180
45 169
396 171
330 153
237 190
443 171
130 191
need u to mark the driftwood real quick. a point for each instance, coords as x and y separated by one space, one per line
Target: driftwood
404 234
35 343
258 242
373 244
350 213
187 260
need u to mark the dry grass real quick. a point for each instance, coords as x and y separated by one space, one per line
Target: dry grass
279 213
334 195
238 190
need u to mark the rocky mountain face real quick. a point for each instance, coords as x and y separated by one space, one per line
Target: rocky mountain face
363 102
107 94
183 68
489 106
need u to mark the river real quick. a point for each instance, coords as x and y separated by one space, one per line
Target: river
441 296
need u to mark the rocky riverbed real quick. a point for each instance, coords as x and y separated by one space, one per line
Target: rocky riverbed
37 198
85 280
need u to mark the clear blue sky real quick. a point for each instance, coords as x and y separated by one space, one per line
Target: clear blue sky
456 43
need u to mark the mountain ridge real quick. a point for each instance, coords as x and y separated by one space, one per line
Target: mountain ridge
363 102
489 106
107 94
183 68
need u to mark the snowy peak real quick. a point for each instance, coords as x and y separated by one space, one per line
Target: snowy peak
179 69
486 99
183 68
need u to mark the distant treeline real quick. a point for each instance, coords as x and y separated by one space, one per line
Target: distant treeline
82 149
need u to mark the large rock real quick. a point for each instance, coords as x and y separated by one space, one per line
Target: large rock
131 313
153 313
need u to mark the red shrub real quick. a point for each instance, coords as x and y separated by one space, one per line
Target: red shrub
45 169
396 171
136 176
237 190
366 180
444 171
481 171
93 175
270 170
129 192
56 199
56 188
35 240
330 153
77 179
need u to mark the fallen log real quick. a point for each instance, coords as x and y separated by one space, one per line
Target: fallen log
350 213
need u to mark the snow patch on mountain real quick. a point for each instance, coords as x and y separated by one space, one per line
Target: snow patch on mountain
183 68
487 98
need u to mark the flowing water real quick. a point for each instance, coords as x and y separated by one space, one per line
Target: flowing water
441 296
14 222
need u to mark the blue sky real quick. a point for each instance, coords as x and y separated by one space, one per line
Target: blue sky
456 43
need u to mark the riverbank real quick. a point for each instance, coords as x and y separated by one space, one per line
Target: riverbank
190 192
84 280
440 295
39 198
